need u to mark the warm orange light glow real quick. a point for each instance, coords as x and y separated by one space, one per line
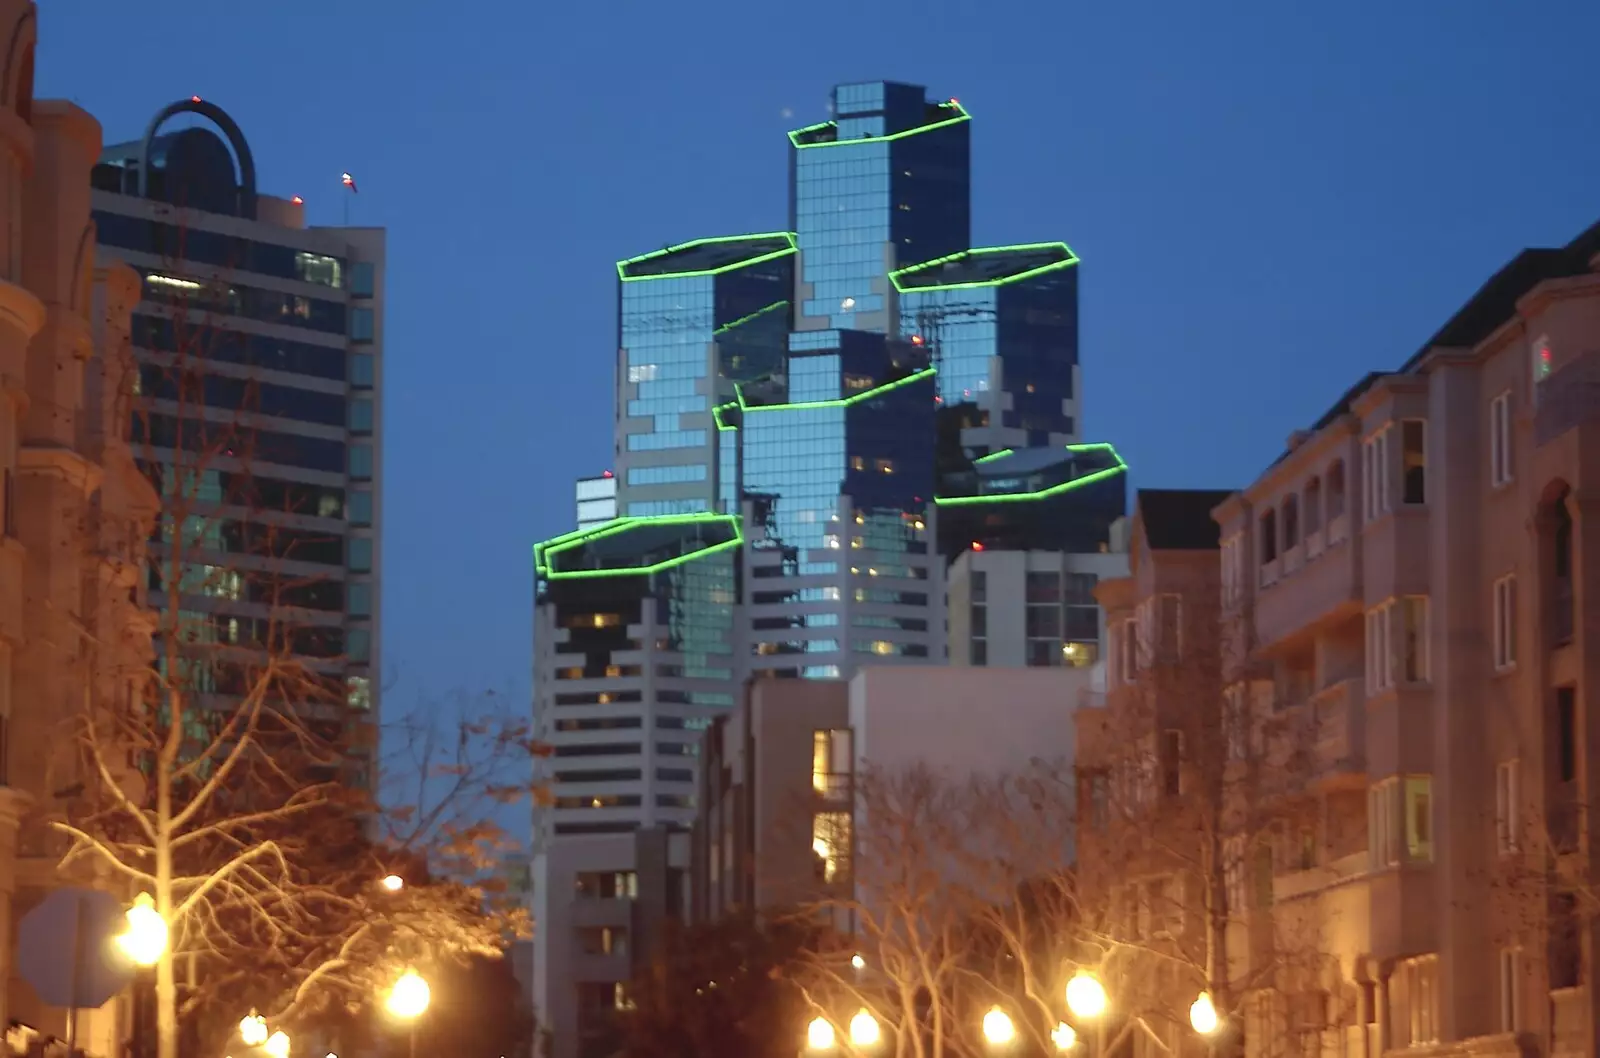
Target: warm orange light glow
1086 996
194 99
864 1031
393 882
997 1027
297 201
1203 1015
819 1035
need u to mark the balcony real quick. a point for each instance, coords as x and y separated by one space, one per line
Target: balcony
1324 589
1562 602
1339 714
1568 398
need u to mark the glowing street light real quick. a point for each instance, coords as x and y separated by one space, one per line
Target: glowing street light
277 1045
145 939
864 1031
393 882
997 1027
819 1035
409 997
1086 996
1203 1015
1063 1037
253 1030
858 962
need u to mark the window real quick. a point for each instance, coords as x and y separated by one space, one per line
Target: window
1335 490
1291 522
361 462
1099 802
1541 361
1375 476
1380 676
1267 537
1567 733
603 940
1507 802
1383 845
1500 450
1233 874
607 885
1129 649
358 644
1237 721
1505 622
830 762
363 324
1413 461
1419 818
1169 627
362 371
358 598
1397 643
830 845
1172 763
363 279
360 507
1510 990
1232 565
1420 980
361 415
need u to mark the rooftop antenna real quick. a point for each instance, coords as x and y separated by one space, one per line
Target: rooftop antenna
350 183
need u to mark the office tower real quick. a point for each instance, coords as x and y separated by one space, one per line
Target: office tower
271 332
693 321
1004 322
771 387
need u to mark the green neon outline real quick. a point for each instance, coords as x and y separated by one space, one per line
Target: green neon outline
742 320
1054 266
622 266
549 549
961 115
1053 490
841 402
993 455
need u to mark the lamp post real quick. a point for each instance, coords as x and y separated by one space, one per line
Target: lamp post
1086 998
408 1000
142 942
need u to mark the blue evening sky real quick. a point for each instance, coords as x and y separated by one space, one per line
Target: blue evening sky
1269 198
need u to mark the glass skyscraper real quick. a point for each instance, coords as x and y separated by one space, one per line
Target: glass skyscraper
794 409
693 320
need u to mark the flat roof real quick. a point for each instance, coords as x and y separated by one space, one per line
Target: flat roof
635 546
703 257
984 266
826 133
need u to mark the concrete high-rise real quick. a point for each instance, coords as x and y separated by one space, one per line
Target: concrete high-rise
258 341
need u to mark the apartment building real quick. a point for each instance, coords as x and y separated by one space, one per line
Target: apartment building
74 509
1409 608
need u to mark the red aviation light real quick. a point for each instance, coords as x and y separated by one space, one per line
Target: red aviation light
608 474
977 545
297 201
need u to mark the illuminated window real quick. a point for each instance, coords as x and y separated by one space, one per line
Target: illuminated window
830 845
831 762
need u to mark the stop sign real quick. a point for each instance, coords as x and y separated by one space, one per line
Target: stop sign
64 948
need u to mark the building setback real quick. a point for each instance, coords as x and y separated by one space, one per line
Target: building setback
772 381
270 332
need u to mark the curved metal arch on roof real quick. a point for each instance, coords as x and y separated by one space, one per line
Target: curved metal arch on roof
16 51
230 128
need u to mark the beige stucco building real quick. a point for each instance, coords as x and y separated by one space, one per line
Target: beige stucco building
74 509
1410 605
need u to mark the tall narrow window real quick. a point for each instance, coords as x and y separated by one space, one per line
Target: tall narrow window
1505 622
1267 537
1414 461
1169 627
1172 763
1380 666
1511 990
1419 818
1413 645
1375 476
1542 359
1500 450
1567 733
1507 791
1291 522
1128 647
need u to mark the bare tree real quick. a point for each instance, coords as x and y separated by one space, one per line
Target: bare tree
232 779
959 898
1196 790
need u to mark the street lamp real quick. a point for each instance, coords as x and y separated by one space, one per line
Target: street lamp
407 1000
277 1045
1086 996
393 882
819 1035
997 1028
1063 1036
857 962
145 939
253 1030
864 1031
1203 1015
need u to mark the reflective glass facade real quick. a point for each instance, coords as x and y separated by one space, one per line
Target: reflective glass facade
692 320
886 183
1037 499
1002 326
